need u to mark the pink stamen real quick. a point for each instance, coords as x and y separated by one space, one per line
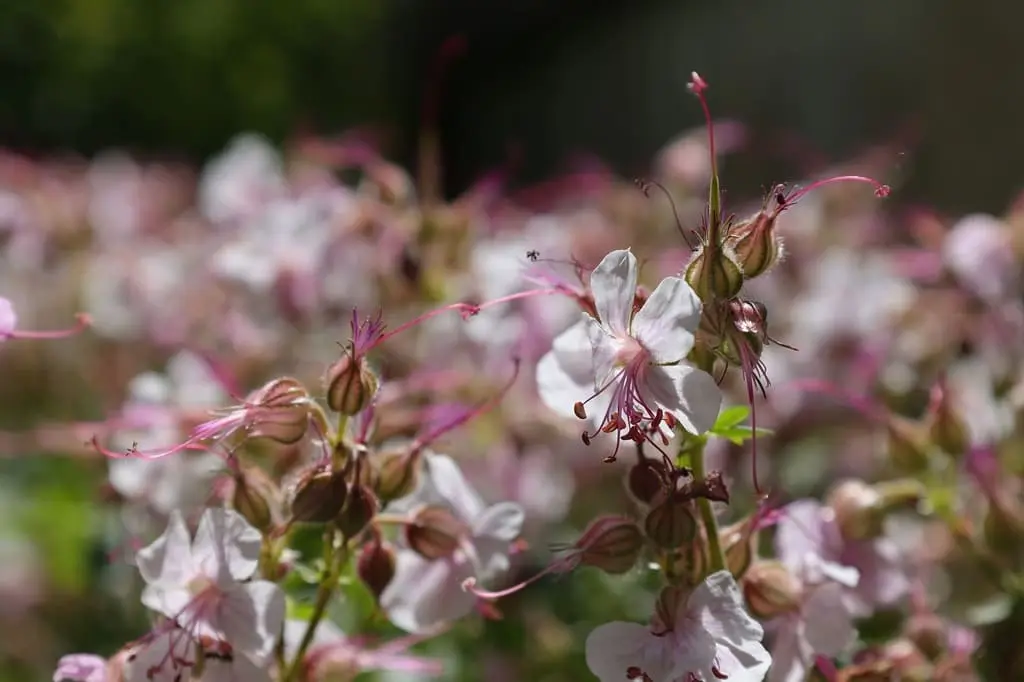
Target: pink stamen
881 191
82 320
698 86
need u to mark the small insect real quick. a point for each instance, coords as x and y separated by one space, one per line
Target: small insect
533 255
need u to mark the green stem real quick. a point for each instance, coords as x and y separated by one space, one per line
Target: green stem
716 558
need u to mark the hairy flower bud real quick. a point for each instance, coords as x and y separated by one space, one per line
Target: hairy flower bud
714 274
908 445
945 427
281 411
858 509
770 589
670 524
250 499
376 566
350 384
397 475
611 543
359 509
319 496
755 243
435 533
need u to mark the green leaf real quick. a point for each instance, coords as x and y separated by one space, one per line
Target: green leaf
741 434
730 417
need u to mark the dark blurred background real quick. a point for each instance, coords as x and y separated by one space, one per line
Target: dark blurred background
540 80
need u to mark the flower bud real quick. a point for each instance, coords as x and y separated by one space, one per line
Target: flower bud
350 384
945 427
359 510
908 445
670 524
738 546
319 496
667 606
858 509
376 566
714 274
611 543
771 590
1003 529
755 243
690 564
435 533
251 502
929 634
281 411
397 475
646 480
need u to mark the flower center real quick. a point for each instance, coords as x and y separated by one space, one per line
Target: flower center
629 351
199 584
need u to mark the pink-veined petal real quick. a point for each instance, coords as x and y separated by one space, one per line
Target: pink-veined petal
450 487
168 657
502 521
239 669
604 347
665 325
425 593
614 648
691 395
718 604
747 664
168 559
827 623
226 546
791 655
613 284
251 616
799 534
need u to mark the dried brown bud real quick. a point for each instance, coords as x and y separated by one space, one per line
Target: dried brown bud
611 543
770 589
280 411
376 566
712 488
350 384
435 533
397 475
717 277
319 496
670 524
858 509
359 510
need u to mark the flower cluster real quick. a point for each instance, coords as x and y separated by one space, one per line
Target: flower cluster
345 417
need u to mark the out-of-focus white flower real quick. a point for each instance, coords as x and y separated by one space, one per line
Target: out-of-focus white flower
631 364
236 184
197 583
979 251
425 592
8 318
711 638
81 668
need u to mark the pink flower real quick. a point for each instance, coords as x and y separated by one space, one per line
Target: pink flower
631 363
712 638
81 668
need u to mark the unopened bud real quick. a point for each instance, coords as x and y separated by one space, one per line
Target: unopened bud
319 496
755 243
670 524
667 607
350 385
738 546
281 411
945 427
646 480
928 632
908 445
858 509
771 590
376 566
714 277
359 510
611 543
435 533
397 475
690 565
1003 528
251 502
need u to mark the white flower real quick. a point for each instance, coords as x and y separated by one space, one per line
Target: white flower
236 184
165 656
425 592
232 668
631 364
196 583
712 638
823 626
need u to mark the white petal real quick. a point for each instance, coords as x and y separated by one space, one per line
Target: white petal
560 391
171 601
604 347
454 490
614 648
828 627
692 396
226 546
613 284
790 652
251 616
8 318
719 605
238 669
799 534
749 664
168 559
574 351
168 657
425 593
666 324
502 521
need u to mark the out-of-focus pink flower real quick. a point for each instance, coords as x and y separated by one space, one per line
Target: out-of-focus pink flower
236 184
425 593
197 583
979 251
631 365
81 668
712 638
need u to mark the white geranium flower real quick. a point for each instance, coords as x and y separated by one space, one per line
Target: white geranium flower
712 638
822 626
631 364
236 184
426 592
165 656
232 668
196 583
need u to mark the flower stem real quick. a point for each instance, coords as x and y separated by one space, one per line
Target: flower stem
716 557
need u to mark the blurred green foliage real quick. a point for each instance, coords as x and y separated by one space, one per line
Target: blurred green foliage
80 73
